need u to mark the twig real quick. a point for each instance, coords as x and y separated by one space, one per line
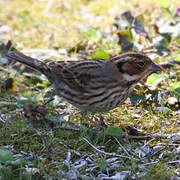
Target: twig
68 127
148 142
103 152
48 101
4 103
171 162
155 162
149 136
155 135
146 164
122 147
157 152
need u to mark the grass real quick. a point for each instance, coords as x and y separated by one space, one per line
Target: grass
54 147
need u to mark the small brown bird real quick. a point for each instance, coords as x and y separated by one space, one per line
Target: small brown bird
94 85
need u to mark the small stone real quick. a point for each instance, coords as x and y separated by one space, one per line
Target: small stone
172 100
121 175
162 109
5 29
175 137
32 170
79 164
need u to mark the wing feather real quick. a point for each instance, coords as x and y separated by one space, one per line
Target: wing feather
78 74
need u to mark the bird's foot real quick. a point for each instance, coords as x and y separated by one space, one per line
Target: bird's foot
102 121
96 121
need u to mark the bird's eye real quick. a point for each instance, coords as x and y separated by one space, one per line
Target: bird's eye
140 63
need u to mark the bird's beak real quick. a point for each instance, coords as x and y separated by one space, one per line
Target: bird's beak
155 68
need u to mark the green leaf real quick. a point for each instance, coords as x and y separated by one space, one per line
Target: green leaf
125 40
22 102
178 58
177 92
164 3
155 94
114 131
175 88
103 165
154 78
6 173
5 156
139 27
33 79
16 162
100 54
167 36
94 33
162 44
137 98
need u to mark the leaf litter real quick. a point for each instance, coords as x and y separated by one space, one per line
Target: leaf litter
83 151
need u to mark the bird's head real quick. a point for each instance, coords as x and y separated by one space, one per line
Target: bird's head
135 66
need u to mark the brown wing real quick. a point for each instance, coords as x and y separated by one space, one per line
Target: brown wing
79 74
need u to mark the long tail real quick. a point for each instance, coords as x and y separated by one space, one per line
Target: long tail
20 57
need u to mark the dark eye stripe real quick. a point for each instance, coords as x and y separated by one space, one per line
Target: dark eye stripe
119 65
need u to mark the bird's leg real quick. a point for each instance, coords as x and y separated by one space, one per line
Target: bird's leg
102 120
85 116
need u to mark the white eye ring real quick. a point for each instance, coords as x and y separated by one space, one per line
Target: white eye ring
140 63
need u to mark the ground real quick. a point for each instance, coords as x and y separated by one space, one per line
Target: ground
44 139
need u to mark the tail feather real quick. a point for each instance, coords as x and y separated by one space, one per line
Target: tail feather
20 57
